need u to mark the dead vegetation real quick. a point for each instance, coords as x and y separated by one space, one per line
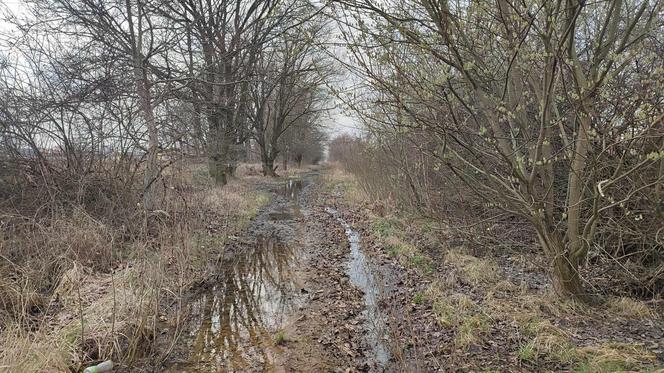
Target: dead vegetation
497 319
78 287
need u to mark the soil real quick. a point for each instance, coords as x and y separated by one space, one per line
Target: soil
308 288
298 292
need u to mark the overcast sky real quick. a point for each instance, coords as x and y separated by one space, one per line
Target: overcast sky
336 121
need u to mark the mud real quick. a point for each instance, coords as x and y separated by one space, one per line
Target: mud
233 321
309 287
361 274
294 293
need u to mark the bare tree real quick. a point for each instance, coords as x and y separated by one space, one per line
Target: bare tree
120 31
224 39
304 141
287 91
516 94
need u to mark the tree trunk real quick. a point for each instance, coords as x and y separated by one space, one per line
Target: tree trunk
143 91
566 279
199 136
564 270
577 244
286 158
268 165
218 149
151 168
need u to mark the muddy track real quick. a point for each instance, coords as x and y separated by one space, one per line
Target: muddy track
294 293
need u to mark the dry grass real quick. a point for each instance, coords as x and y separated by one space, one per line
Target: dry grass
629 308
528 316
294 171
34 259
248 169
245 170
101 314
615 357
540 341
236 200
335 177
460 312
77 288
407 254
544 341
605 357
473 270
34 352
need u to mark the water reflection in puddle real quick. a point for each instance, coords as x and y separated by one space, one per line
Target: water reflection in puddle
250 302
234 322
360 274
292 188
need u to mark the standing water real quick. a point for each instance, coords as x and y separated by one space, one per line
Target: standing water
239 315
234 321
359 272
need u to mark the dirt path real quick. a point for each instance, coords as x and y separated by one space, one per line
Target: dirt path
296 293
315 284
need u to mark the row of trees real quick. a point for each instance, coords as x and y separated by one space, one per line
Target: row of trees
551 111
86 82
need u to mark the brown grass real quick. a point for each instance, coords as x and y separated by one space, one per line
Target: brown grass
613 357
473 270
460 312
77 288
98 312
629 308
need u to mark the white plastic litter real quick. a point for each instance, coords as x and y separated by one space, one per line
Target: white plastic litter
105 366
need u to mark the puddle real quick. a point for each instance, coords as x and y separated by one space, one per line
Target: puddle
292 188
234 323
280 215
359 271
236 320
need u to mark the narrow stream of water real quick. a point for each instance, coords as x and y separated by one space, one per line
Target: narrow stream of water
359 271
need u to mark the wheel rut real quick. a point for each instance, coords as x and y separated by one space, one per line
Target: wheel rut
294 293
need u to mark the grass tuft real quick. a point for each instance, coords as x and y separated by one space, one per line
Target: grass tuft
460 312
629 308
280 338
527 352
473 270
383 227
615 357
